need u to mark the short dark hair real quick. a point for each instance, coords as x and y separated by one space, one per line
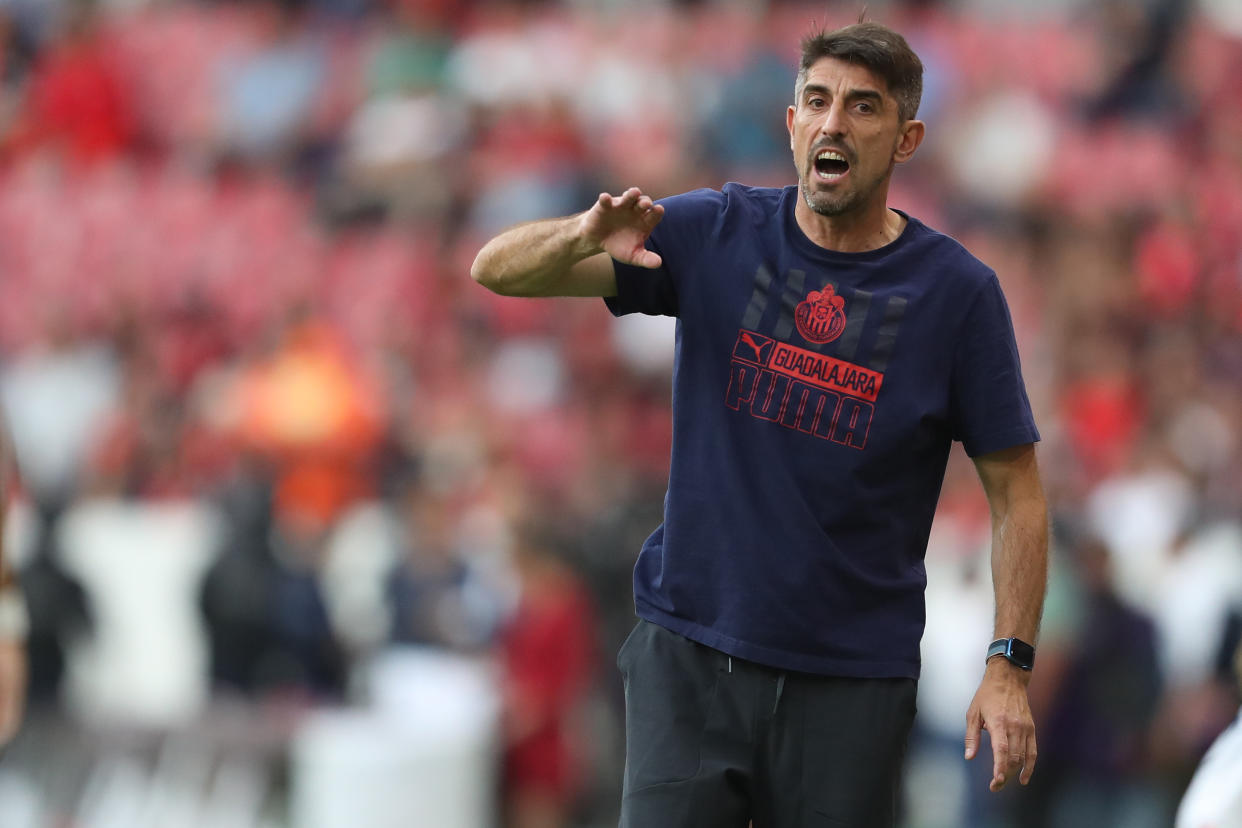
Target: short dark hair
876 47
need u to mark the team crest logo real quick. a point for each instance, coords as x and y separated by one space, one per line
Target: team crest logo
821 316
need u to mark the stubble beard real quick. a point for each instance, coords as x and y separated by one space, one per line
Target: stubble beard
828 204
837 204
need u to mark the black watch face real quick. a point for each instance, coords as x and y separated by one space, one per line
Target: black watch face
1021 653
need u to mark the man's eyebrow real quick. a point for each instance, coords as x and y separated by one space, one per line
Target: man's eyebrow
865 94
852 94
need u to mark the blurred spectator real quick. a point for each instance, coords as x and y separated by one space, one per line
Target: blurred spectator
267 97
61 616
1094 764
270 630
58 392
308 657
402 144
755 141
17 52
1137 40
436 596
547 654
77 102
236 595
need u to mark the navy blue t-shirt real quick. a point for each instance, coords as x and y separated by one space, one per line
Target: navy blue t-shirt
815 398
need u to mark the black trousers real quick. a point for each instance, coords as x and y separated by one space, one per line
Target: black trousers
717 742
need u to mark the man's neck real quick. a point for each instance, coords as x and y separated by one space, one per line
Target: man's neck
854 232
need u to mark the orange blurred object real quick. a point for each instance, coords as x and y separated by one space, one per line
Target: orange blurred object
309 409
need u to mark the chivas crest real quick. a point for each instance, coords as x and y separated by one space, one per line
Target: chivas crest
821 316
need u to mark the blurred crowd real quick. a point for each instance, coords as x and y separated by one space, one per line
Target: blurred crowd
234 250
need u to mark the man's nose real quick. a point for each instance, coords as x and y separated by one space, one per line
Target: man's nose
834 123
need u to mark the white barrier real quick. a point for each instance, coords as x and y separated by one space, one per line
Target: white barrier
423 755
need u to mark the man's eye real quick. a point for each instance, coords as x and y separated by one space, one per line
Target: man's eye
865 107
815 103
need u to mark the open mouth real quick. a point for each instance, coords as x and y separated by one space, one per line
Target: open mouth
830 165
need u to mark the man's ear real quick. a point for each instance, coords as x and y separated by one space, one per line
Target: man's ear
789 116
908 141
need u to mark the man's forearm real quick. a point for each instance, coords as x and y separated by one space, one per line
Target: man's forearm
527 260
1015 494
1020 566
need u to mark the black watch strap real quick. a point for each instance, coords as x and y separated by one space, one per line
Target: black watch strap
1015 650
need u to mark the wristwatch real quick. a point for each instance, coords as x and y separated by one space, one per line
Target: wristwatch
1015 650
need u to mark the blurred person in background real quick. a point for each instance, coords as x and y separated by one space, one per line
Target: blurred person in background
403 144
773 671
547 651
437 598
14 622
1214 797
267 97
1099 713
55 394
77 102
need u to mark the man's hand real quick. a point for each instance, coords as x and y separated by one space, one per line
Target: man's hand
620 225
1001 708
570 256
12 686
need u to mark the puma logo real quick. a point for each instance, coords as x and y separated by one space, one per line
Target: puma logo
758 344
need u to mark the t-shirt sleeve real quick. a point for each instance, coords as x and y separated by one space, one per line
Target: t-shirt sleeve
688 220
990 408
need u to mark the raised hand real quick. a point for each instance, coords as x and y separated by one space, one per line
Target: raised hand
620 225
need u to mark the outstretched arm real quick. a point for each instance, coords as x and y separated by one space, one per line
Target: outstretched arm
1019 577
13 620
571 256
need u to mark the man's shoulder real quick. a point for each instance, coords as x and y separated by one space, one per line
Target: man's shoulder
951 255
760 201
712 212
730 196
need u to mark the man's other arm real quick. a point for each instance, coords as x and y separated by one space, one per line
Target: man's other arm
571 256
1019 577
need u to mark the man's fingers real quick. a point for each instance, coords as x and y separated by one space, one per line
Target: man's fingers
652 217
1028 766
1013 754
1000 759
627 199
648 258
973 727
632 199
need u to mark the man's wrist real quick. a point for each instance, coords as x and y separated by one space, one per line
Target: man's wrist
583 245
14 617
1014 650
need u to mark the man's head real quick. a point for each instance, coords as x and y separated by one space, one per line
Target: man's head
875 47
857 92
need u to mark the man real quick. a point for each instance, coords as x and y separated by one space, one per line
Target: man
13 619
829 349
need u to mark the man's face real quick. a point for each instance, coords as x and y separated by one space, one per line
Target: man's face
846 136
